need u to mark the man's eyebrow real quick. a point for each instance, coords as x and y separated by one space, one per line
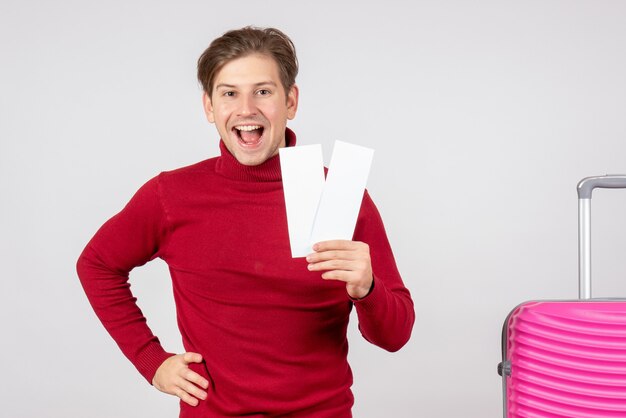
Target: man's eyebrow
222 85
265 83
232 86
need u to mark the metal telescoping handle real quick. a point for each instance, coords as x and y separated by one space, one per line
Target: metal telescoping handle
585 189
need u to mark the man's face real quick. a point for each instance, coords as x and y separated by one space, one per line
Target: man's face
250 108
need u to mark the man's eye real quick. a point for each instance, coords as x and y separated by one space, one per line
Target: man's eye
229 93
263 92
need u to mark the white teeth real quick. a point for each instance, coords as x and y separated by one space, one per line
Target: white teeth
247 127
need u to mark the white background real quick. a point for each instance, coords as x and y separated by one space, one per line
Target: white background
484 116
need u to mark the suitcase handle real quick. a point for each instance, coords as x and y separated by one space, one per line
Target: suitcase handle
585 188
586 185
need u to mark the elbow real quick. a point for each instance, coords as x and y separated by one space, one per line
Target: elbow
88 266
80 263
82 266
404 336
392 342
395 346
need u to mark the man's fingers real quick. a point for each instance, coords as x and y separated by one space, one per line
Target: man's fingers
175 377
192 389
194 377
347 265
332 255
185 397
340 244
188 392
190 357
336 244
331 265
341 275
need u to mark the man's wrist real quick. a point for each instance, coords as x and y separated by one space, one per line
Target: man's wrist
369 291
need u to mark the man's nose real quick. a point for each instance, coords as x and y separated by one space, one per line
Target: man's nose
247 106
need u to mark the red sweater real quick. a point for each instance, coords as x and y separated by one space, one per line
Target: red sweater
272 333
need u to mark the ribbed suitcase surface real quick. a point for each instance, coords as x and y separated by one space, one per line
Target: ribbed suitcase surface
567 359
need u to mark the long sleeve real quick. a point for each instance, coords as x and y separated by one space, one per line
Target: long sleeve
386 315
131 238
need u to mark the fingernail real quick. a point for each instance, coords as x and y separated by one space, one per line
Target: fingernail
310 266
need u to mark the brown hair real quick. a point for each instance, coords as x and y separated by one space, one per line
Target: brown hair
245 41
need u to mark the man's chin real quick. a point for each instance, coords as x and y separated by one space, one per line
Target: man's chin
251 159
256 157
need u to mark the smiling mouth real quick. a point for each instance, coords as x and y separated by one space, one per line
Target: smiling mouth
249 135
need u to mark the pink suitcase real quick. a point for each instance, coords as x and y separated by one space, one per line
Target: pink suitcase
568 358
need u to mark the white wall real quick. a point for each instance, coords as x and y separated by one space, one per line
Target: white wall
484 116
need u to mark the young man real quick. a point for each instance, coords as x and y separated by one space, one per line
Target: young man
265 333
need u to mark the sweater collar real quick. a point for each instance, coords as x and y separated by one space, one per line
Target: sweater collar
228 166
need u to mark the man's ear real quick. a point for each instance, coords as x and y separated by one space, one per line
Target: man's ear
208 107
292 102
